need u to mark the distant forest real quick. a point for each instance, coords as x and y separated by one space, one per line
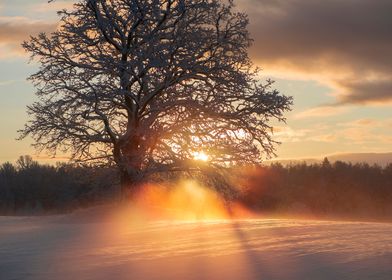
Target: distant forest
32 188
324 190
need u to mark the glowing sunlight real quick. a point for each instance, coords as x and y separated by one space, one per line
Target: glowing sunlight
195 139
201 156
188 200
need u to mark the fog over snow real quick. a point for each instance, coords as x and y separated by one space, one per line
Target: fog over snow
90 245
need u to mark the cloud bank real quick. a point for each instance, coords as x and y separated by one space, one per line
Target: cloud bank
346 44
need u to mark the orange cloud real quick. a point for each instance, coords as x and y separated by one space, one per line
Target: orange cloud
14 30
321 111
287 134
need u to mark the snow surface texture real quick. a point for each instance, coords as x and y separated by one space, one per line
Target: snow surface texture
76 247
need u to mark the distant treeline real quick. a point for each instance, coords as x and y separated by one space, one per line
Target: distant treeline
318 190
338 190
32 188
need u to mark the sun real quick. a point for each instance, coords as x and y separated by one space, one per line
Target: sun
200 156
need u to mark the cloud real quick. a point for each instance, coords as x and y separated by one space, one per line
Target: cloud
363 132
53 6
362 123
328 138
362 91
335 42
366 131
320 112
9 82
287 134
14 30
365 136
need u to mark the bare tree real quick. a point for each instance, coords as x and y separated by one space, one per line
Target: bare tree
146 84
26 162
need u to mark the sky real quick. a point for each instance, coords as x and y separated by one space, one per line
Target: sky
334 57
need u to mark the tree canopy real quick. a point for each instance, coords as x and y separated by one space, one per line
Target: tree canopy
146 84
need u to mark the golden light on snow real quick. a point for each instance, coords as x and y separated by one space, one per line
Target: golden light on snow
186 200
201 156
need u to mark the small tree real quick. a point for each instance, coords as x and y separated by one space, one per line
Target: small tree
26 162
147 84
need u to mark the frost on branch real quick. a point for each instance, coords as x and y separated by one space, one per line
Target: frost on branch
144 84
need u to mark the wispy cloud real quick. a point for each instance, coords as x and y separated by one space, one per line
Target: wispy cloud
14 30
361 123
328 138
6 83
55 6
287 134
321 112
363 132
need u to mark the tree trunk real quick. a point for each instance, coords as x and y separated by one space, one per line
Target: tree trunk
128 185
128 160
130 181
125 184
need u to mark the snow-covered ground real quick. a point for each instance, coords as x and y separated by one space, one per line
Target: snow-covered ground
78 247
